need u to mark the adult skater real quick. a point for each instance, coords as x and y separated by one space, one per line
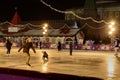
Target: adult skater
8 46
116 45
26 48
71 48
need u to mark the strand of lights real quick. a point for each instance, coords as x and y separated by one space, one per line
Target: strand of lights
45 29
71 12
6 22
111 27
93 27
40 26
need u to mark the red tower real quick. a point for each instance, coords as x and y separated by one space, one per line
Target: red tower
16 18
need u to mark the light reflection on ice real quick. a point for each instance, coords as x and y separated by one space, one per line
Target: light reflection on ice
44 68
111 67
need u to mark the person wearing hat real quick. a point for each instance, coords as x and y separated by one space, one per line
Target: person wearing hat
26 48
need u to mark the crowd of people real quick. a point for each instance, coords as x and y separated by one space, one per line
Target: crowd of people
28 44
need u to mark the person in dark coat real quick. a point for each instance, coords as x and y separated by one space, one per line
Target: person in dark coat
40 44
26 48
71 48
8 46
59 46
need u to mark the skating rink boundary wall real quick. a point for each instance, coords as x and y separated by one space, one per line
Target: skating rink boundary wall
17 74
98 47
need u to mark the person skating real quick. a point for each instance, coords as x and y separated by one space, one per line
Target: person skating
116 45
71 48
45 56
59 46
26 48
8 46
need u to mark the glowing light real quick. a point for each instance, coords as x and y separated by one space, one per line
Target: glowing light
45 30
110 32
112 29
112 23
110 26
44 67
44 33
45 25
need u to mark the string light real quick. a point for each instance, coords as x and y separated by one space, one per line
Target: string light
29 25
60 11
71 12
91 26
111 27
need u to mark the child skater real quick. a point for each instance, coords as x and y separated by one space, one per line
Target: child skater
45 57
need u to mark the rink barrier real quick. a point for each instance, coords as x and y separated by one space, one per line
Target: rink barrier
20 74
96 47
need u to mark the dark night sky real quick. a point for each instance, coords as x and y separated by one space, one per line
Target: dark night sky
34 9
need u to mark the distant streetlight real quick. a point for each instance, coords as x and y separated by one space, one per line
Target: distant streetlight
45 29
44 33
111 29
45 25
110 32
112 22
110 26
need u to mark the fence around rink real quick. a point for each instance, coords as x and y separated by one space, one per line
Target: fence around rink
97 47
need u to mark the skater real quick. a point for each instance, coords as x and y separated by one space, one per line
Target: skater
59 46
45 57
8 46
26 48
40 44
71 48
116 46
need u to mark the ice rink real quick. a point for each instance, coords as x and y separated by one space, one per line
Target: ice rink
100 64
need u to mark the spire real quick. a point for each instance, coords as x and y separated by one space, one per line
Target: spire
16 18
90 9
91 4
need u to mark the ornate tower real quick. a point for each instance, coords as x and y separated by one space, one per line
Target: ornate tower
16 18
90 9
91 32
